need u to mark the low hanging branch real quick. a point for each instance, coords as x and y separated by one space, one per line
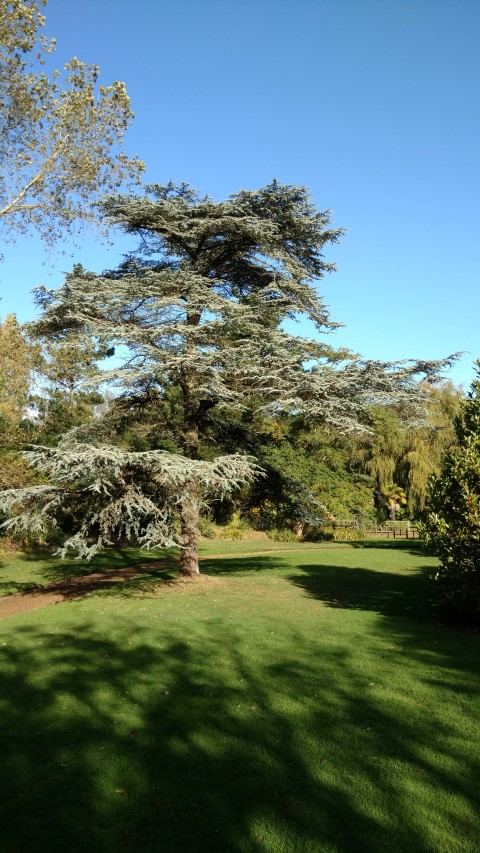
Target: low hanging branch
109 494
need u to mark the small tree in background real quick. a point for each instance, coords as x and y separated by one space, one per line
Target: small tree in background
17 362
395 498
18 359
199 311
67 393
452 519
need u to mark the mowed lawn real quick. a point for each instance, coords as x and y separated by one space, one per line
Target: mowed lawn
307 700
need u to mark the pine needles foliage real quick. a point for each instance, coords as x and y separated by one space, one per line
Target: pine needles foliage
198 312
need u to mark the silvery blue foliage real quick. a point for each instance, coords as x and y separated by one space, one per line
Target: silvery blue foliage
115 494
199 308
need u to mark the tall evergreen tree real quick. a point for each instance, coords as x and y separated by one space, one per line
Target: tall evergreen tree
199 309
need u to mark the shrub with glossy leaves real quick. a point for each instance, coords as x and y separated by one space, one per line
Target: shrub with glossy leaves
451 526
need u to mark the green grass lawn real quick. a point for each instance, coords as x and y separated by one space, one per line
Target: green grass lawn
310 700
22 573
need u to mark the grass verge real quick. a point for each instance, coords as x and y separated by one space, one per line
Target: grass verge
301 701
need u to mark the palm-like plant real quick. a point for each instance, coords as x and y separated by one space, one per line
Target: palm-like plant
395 498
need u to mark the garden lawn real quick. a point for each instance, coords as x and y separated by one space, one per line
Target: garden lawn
301 701
26 572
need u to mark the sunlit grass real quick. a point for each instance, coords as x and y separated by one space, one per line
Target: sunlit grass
303 701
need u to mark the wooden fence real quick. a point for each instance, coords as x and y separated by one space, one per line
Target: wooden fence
392 533
388 530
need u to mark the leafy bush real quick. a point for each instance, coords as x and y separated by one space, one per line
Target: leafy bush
330 533
317 534
451 526
207 529
234 529
282 535
347 534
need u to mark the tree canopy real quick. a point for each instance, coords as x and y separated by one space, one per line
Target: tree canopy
60 132
199 311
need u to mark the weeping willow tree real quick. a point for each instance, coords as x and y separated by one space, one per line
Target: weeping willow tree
198 313
378 451
425 446
402 457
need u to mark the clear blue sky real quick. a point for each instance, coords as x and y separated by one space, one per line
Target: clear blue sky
373 104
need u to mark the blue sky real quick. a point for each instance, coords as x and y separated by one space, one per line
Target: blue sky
373 104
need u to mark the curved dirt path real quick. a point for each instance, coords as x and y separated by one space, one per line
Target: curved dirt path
72 588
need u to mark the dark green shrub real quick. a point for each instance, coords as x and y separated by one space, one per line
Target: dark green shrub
451 525
319 533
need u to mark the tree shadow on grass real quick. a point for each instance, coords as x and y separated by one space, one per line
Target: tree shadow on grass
149 741
54 569
160 580
14 587
411 546
389 594
239 565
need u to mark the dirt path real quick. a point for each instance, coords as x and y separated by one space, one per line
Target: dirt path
77 587
72 588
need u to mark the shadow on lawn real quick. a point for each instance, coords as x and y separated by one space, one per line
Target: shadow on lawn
132 736
239 564
55 570
415 546
168 745
386 593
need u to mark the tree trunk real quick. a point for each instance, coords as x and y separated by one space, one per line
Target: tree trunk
190 512
298 529
189 528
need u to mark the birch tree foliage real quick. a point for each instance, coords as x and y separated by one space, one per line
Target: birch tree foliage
61 132
199 308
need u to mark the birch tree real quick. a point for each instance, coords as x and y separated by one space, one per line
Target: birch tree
61 133
199 312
